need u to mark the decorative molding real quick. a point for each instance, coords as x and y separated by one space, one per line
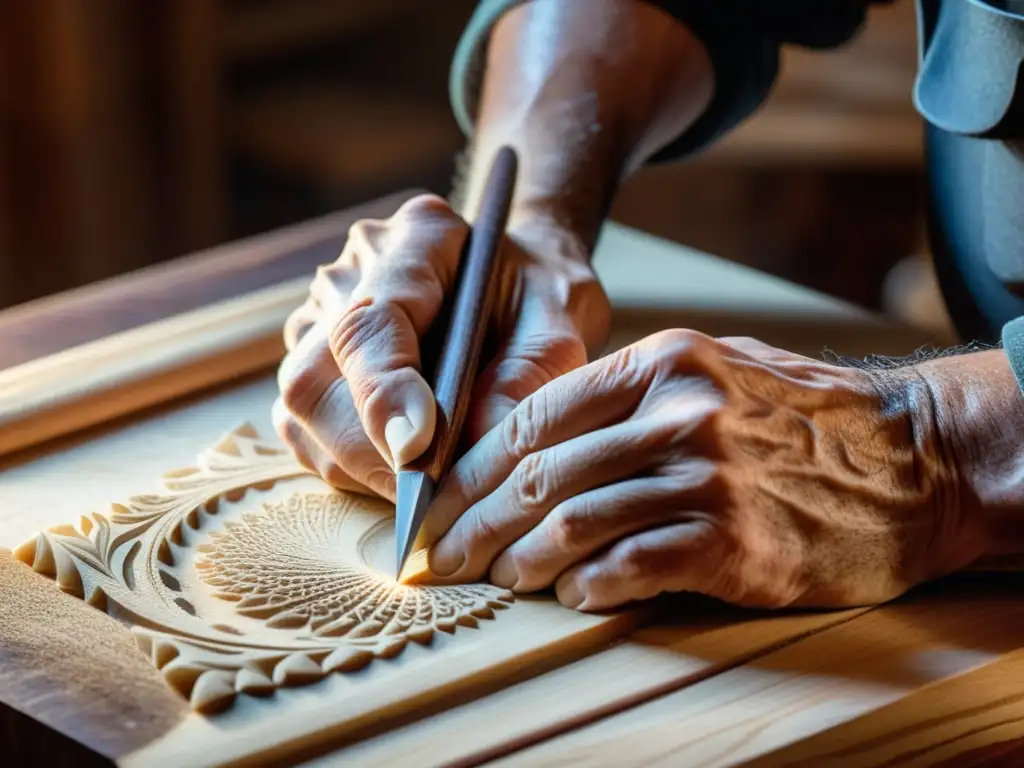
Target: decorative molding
230 594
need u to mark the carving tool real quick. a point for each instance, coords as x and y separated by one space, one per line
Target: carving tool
475 288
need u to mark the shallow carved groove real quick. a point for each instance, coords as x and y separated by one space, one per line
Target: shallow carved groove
229 594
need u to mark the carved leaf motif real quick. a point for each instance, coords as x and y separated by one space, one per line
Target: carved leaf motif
307 570
213 691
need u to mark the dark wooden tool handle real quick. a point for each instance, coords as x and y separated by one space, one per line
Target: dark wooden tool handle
473 300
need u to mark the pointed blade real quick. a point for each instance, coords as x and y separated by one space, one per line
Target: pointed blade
414 494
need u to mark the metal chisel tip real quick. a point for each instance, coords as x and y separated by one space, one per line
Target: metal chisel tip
414 494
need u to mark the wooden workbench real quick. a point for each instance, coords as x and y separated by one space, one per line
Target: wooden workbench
107 387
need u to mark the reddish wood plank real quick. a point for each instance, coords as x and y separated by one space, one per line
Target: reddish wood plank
86 314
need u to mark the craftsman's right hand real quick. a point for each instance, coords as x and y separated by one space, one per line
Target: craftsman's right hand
353 405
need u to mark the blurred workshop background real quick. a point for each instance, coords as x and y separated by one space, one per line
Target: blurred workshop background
132 132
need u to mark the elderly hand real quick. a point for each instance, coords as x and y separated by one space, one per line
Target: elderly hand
353 403
719 466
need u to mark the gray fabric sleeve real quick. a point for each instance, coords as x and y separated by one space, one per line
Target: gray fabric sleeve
1013 345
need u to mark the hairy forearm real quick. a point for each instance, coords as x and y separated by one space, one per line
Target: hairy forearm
585 91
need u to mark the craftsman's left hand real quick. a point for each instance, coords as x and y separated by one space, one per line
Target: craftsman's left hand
719 466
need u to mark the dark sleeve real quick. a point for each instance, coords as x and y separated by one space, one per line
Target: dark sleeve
743 38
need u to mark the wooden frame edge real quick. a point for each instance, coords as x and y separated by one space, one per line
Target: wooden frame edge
121 374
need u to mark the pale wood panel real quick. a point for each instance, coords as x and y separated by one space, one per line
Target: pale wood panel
535 634
956 721
121 374
816 684
72 477
693 640
119 459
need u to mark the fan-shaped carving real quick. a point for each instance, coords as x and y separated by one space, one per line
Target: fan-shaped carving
318 561
231 594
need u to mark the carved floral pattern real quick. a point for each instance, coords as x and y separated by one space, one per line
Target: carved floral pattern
305 577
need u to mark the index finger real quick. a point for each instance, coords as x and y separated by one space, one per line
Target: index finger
581 401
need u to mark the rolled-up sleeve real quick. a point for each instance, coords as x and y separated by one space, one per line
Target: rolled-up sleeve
742 38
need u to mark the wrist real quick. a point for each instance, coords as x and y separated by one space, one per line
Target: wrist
979 420
560 259
550 238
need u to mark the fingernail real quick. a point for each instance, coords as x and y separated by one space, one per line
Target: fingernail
503 573
399 433
445 560
570 595
411 420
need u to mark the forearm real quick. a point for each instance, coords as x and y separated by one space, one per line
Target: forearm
585 91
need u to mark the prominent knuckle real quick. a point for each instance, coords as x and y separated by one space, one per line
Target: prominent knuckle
284 425
541 359
427 205
525 427
517 378
357 328
299 389
360 231
634 561
532 480
365 390
563 350
323 281
296 322
428 221
675 344
571 522
480 531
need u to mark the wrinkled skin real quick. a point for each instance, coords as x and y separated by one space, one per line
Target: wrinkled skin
680 463
726 467
352 370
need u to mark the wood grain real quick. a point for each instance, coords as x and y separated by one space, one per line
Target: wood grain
942 722
693 639
821 683
159 333
123 373
77 670
189 283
